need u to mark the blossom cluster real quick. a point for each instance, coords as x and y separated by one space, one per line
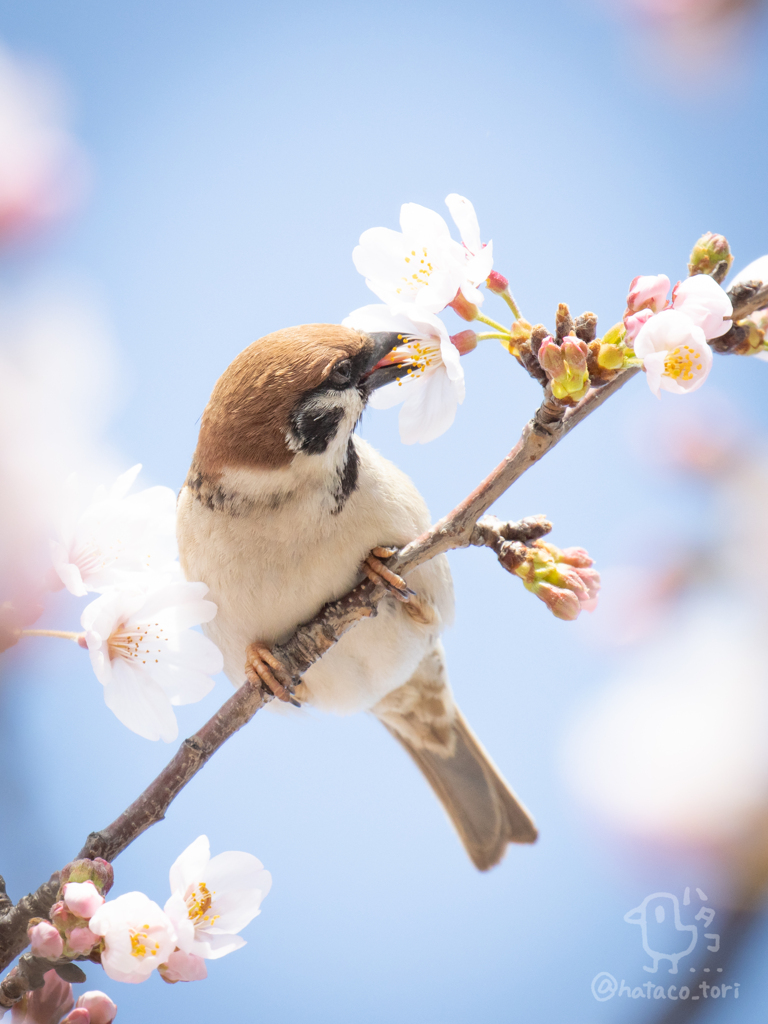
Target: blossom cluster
421 270
138 632
671 337
212 899
417 272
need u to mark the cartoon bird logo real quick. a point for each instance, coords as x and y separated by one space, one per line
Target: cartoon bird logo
662 930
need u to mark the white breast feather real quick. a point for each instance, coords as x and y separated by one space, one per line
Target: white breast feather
273 567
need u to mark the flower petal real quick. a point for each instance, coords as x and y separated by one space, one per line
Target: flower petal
662 332
421 221
452 361
237 870
654 368
479 266
465 219
139 703
182 601
213 947
181 685
189 867
706 303
429 409
178 914
390 395
124 482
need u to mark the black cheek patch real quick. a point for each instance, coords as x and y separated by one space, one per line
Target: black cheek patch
314 429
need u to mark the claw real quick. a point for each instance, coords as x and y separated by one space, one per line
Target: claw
262 666
377 572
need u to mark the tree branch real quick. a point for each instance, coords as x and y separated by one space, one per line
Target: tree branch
13 919
456 530
460 528
548 427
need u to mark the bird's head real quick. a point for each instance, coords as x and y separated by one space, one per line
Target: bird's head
299 390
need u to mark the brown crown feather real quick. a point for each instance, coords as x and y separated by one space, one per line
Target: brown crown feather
246 420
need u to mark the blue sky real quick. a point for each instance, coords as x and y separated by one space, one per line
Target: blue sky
237 152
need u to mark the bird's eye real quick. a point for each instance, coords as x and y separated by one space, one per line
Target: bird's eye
341 374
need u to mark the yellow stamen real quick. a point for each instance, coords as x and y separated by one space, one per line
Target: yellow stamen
199 902
140 944
133 644
679 362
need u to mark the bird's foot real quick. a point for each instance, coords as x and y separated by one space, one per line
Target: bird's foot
377 572
261 666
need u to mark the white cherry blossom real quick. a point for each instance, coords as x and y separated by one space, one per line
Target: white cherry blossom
115 536
674 351
214 898
433 388
415 267
138 936
420 268
147 657
705 303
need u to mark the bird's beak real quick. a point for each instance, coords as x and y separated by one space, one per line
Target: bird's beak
388 361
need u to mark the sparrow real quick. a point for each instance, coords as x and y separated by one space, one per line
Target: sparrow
284 509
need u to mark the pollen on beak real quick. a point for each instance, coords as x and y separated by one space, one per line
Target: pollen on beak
389 359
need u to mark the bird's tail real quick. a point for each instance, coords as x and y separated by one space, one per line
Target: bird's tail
483 808
485 812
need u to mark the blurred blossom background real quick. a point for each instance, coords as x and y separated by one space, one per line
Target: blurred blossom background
176 181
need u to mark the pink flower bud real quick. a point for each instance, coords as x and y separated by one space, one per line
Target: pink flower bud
46 940
103 874
648 292
465 341
576 556
591 581
575 354
100 1007
467 310
62 917
551 358
496 282
98 871
562 603
633 322
77 1016
82 898
82 940
46 1005
182 966
710 251
571 580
